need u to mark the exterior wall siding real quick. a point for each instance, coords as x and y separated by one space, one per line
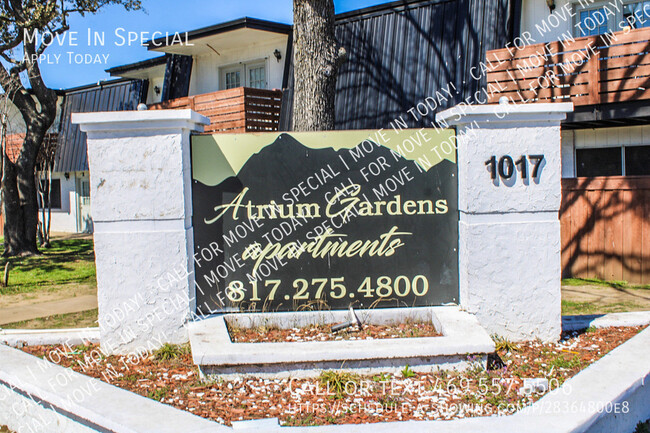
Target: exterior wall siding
117 96
400 55
534 12
598 138
206 77
65 219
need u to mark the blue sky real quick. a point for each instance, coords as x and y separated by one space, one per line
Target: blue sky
161 15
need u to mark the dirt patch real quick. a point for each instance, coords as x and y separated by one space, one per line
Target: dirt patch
324 333
67 236
54 293
82 319
343 397
599 299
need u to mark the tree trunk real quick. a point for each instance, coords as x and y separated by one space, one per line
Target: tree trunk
20 201
316 60
46 230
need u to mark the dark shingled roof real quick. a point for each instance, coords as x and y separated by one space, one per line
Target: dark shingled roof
117 95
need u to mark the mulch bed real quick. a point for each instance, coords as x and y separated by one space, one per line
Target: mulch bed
336 398
324 333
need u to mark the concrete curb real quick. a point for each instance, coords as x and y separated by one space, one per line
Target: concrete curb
34 385
462 336
634 318
37 337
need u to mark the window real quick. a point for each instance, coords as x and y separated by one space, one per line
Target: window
637 160
55 195
592 22
637 14
599 162
613 161
604 16
257 77
233 79
244 74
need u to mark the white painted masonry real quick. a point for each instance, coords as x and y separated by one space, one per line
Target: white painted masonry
509 231
140 185
509 246
37 337
37 396
215 353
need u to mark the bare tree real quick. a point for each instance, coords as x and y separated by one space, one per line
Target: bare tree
44 168
317 58
27 28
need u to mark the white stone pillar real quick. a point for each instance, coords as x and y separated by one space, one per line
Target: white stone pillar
509 230
140 179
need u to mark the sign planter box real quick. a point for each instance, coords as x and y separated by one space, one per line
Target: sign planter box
463 343
326 220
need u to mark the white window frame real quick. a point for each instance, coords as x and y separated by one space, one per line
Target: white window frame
614 25
256 65
244 67
232 68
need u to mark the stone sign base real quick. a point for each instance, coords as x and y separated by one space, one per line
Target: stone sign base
509 267
462 337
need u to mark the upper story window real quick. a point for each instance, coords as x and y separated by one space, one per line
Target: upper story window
257 76
251 74
592 22
601 17
233 79
637 14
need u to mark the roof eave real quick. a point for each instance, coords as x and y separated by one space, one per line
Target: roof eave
246 22
116 71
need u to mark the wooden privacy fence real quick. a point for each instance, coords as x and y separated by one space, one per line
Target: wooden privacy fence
606 228
613 67
242 109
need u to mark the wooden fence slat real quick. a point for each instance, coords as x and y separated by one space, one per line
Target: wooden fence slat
645 237
633 227
234 110
605 228
604 68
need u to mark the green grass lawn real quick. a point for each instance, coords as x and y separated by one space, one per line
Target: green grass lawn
571 308
598 282
65 262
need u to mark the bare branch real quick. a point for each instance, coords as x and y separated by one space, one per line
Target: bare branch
13 44
10 60
50 36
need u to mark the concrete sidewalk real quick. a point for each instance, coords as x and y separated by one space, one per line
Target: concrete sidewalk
44 309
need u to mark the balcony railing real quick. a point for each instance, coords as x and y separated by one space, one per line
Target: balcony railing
235 110
613 67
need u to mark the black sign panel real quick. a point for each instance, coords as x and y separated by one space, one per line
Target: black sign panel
281 224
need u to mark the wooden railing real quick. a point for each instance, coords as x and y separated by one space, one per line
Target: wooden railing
613 67
235 110
605 225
